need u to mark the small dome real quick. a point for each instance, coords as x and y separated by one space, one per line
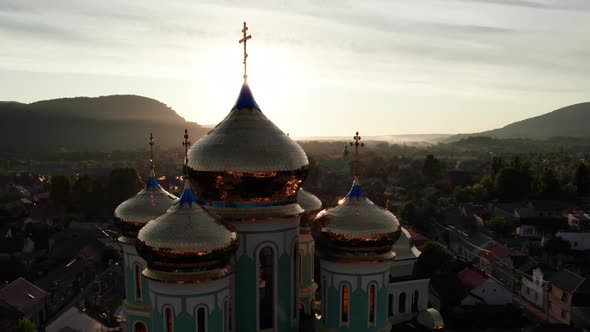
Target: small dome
148 204
246 167
246 141
187 238
356 229
404 247
310 204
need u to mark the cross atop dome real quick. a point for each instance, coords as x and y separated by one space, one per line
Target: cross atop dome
151 143
244 40
356 145
186 143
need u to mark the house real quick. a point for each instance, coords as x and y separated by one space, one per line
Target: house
497 262
469 246
568 290
535 284
26 298
578 219
480 288
538 227
579 241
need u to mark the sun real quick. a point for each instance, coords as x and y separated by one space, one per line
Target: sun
273 72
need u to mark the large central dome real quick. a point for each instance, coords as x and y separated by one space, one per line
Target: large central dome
246 141
246 167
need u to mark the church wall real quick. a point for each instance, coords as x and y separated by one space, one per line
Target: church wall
307 284
281 234
358 277
185 299
138 309
408 288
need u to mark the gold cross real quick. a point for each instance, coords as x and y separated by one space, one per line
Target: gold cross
151 143
244 40
356 145
186 143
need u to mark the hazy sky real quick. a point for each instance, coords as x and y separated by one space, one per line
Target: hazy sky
317 67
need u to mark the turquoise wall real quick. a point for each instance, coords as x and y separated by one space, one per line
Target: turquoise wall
358 311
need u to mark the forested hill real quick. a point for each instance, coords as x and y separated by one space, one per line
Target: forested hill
109 122
569 121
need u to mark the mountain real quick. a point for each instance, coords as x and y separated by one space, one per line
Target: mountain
569 121
108 122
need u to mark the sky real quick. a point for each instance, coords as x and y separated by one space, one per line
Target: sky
316 67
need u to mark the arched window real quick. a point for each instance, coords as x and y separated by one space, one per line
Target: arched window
324 299
344 305
372 305
225 316
296 278
201 320
266 288
415 298
402 303
390 306
137 277
169 319
139 327
300 268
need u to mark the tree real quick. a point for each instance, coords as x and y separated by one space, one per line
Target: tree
512 184
582 179
25 325
110 253
60 189
434 259
532 248
432 168
123 183
497 165
547 186
556 246
499 226
408 212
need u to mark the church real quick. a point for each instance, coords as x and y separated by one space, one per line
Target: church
237 250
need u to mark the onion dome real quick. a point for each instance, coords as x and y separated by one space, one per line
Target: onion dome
356 229
246 167
310 204
187 243
148 204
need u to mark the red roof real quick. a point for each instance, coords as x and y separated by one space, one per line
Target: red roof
471 278
23 295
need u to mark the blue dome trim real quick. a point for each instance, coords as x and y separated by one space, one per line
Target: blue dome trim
355 191
151 183
245 99
187 197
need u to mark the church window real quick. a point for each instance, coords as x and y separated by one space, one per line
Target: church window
415 298
296 279
390 306
140 327
201 323
372 305
300 268
169 319
402 303
344 305
137 278
324 298
225 316
266 288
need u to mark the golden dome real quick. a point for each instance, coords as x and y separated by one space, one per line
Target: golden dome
246 141
310 205
356 229
187 238
148 204
246 167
